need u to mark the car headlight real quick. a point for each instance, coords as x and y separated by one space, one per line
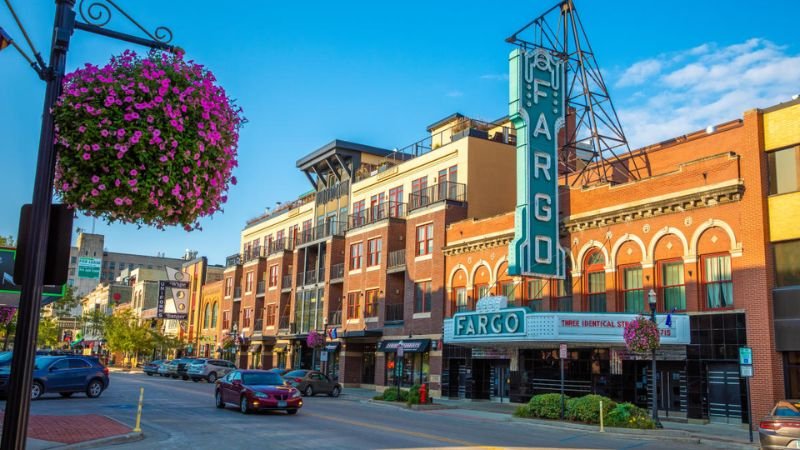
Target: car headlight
261 395
295 394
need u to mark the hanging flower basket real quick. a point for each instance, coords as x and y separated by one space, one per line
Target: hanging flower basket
315 340
641 335
146 140
6 314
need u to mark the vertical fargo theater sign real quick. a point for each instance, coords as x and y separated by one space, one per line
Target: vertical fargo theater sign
536 107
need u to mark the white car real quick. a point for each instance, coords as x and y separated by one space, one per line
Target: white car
209 369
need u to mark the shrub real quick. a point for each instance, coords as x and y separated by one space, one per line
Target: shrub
413 395
392 395
523 411
546 406
627 415
587 408
378 397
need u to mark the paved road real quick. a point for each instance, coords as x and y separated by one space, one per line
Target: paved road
181 415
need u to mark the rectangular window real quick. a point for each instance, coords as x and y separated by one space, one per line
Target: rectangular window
717 281
787 263
784 170
353 308
508 289
419 185
248 287
395 201
633 289
425 239
356 255
481 290
271 310
535 294
422 297
226 320
371 304
228 287
374 247
562 296
673 289
597 291
376 211
460 299
279 235
273 275
248 313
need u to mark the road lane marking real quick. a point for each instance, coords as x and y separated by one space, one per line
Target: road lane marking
390 429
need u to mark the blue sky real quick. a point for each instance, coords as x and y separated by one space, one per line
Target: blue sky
379 72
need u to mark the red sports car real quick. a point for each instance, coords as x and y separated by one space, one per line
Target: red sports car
257 390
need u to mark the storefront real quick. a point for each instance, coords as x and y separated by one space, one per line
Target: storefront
330 362
415 362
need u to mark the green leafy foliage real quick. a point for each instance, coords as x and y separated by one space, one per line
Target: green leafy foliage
413 395
546 406
48 332
587 408
628 415
393 395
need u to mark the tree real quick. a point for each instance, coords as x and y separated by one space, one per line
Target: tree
94 322
48 332
8 322
123 333
63 307
7 241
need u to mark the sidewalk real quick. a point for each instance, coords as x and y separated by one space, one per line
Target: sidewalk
76 431
714 435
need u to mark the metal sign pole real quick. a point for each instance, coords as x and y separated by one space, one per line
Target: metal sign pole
749 410
562 355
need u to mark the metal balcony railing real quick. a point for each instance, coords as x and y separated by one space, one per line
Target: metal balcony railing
337 271
394 312
283 323
310 278
376 213
340 189
321 231
320 275
233 260
444 191
335 318
253 254
261 287
279 245
397 259
287 282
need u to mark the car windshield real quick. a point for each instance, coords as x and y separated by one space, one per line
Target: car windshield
297 373
44 361
262 379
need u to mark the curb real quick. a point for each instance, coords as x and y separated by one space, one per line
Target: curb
111 440
402 405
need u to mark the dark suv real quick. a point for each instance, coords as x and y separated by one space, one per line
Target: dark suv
63 374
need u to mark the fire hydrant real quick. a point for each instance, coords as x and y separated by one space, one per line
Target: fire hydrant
423 393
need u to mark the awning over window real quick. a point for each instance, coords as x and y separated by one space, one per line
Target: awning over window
280 347
409 345
331 346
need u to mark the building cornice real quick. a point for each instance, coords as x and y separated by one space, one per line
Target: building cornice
481 243
688 200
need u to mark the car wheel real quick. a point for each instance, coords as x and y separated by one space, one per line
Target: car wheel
218 398
94 389
37 389
309 392
185 377
335 392
291 412
149 374
195 379
212 377
66 394
243 406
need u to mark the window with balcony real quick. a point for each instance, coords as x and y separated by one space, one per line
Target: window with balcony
376 211
717 281
419 184
359 213
633 289
248 283
425 239
273 275
353 306
784 170
395 201
356 255
248 314
272 309
673 289
422 297
371 303
374 250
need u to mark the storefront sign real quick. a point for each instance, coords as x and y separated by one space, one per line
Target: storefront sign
409 346
331 346
556 328
491 325
89 267
536 109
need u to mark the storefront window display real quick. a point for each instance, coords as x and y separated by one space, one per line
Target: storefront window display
416 369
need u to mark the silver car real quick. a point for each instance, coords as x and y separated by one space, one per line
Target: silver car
781 428
209 369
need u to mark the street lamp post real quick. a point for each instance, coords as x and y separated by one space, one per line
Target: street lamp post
651 299
15 421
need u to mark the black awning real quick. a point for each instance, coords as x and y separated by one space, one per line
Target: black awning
409 345
363 333
331 346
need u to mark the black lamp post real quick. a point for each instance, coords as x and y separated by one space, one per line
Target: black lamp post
651 299
95 14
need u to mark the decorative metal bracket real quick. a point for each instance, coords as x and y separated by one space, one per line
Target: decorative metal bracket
96 14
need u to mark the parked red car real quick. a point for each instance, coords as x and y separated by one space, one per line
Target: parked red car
257 390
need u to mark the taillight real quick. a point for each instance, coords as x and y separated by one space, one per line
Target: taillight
105 371
298 380
767 425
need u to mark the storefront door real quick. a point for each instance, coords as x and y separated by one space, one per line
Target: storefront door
724 393
500 381
672 390
457 376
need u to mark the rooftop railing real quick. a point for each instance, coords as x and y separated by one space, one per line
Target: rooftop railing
376 213
444 191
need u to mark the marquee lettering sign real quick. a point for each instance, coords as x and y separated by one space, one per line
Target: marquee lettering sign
497 324
536 109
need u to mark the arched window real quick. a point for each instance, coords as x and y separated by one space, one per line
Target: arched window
214 316
206 316
596 281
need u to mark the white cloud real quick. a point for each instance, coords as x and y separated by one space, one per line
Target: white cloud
678 93
454 94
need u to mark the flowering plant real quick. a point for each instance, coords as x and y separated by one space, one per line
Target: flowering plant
6 314
315 340
641 335
147 140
